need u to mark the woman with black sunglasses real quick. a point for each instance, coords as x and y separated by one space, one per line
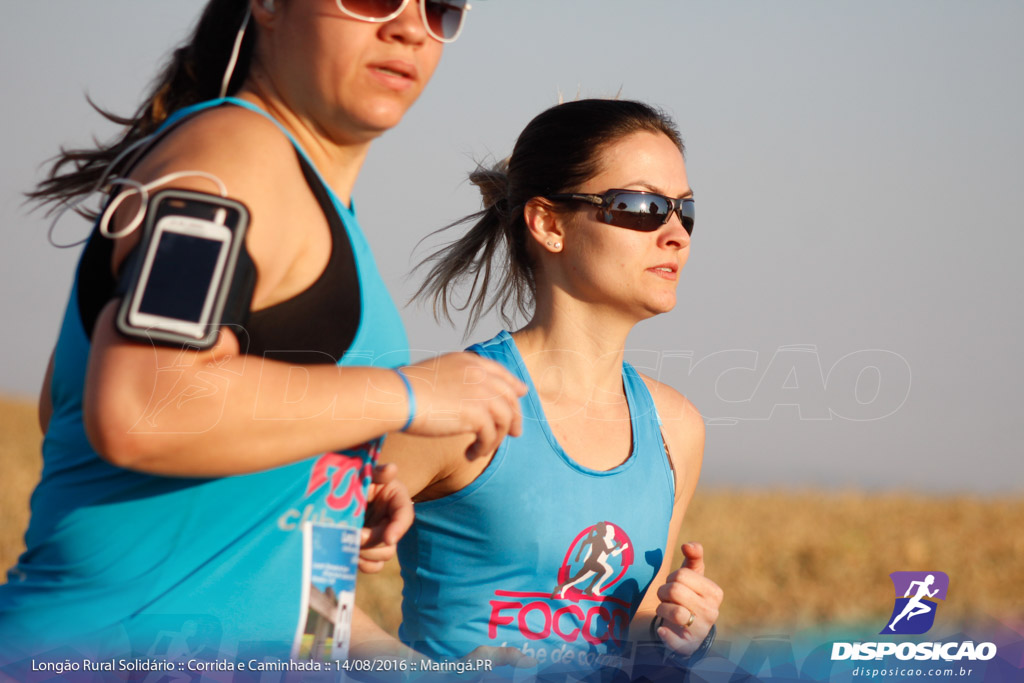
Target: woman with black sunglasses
181 487
559 542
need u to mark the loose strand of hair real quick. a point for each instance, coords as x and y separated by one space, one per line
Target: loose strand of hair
180 83
470 260
451 263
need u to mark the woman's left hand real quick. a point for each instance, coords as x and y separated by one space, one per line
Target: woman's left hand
689 603
388 516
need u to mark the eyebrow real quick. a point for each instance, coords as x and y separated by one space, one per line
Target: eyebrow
657 190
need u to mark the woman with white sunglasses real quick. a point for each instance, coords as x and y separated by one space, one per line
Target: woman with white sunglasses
560 542
179 484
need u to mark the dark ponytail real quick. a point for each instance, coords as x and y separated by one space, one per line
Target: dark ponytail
193 74
558 151
493 238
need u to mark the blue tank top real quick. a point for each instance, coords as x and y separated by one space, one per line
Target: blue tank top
539 552
117 560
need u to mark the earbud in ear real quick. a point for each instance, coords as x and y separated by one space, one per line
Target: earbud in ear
268 5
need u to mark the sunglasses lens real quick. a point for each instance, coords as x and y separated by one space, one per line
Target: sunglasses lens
371 9
686 215
636 211
444 17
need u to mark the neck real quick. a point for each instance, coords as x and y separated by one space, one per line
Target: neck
339 162
570 344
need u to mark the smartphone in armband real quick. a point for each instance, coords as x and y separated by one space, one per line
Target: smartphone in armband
178 281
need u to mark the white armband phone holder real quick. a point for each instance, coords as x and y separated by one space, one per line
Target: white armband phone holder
190 273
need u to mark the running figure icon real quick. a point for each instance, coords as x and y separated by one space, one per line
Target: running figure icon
916 605
600 545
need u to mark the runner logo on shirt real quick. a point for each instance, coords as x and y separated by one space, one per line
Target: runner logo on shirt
602 556
581 607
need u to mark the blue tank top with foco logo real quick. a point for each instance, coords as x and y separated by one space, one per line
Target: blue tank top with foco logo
539 552
124 563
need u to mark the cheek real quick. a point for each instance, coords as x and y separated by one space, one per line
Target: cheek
339 59
604 260
312 45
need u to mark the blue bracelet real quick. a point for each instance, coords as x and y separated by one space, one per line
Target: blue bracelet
412 399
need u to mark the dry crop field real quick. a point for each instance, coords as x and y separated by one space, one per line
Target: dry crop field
787 560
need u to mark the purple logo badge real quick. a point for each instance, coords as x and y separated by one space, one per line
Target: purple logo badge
917 596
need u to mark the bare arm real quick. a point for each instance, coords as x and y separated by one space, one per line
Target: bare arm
432 468
685 599
683 430
218 412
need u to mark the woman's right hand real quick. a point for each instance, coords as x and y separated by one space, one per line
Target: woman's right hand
463 393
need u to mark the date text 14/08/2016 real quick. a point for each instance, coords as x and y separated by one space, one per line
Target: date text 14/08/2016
459 667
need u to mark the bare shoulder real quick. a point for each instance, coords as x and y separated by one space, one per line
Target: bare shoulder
226 150
236 142
254 163
681 422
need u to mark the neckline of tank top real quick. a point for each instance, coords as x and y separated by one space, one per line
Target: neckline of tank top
534 398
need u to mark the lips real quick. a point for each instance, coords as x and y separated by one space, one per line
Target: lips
668 271
395 70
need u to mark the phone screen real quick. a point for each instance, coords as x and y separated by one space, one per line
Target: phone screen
181 276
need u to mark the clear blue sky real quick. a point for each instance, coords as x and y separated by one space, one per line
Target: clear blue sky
850 312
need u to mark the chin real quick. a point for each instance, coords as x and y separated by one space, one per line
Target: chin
370 122
658 307
386 114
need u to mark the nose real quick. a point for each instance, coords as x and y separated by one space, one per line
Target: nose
407 27
672 234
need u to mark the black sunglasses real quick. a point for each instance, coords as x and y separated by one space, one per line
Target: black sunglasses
635 209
